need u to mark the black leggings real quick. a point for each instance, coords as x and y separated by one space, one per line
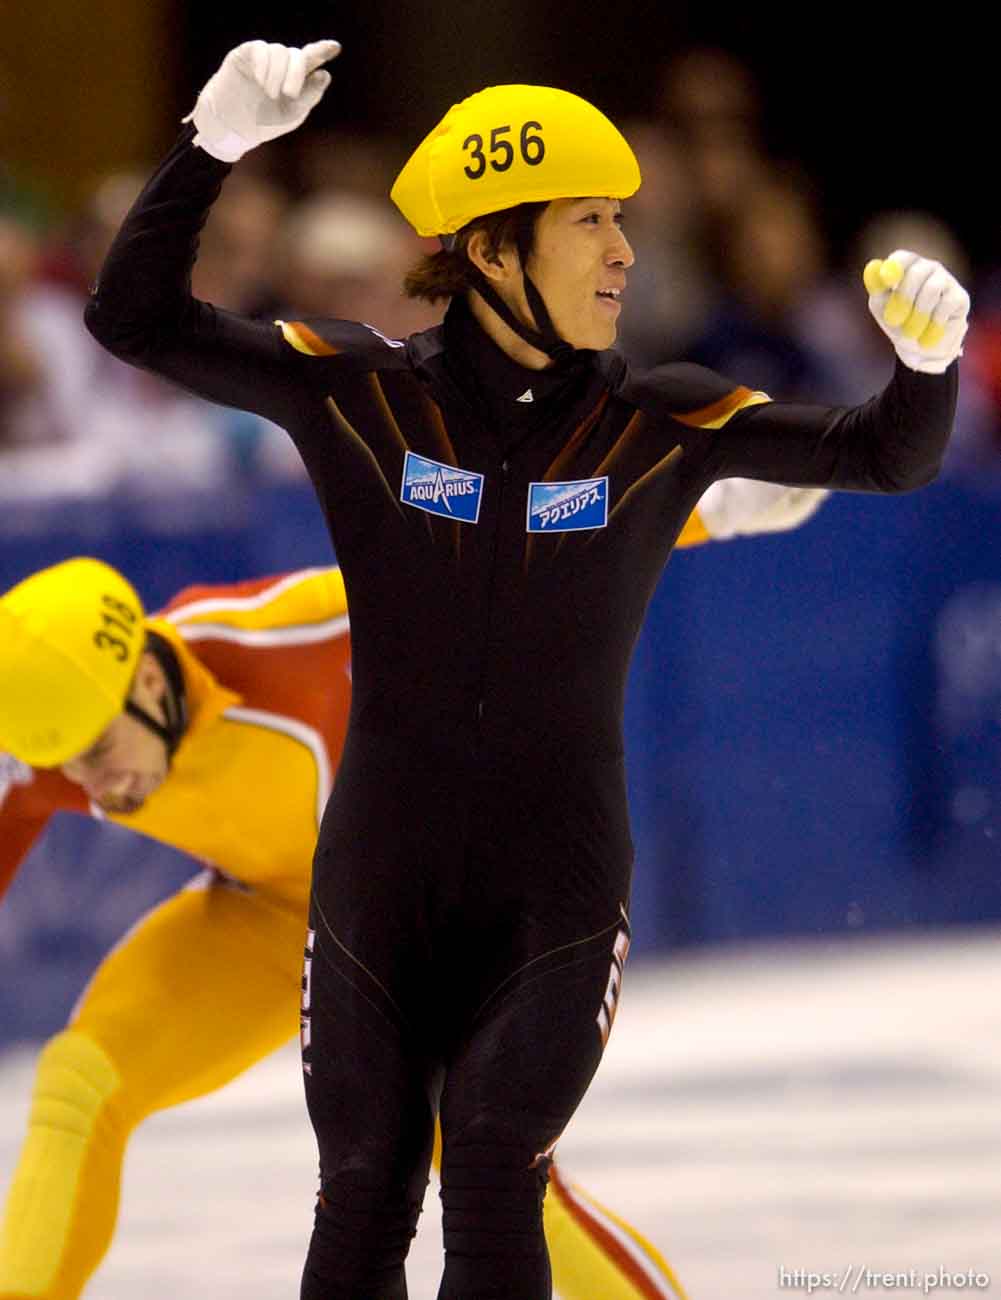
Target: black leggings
468 986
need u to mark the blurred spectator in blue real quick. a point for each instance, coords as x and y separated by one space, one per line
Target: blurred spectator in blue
751 224
772 261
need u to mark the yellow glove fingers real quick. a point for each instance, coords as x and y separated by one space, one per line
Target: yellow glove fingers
930 309
915 325
896 310
872 279
932 335
880 275
916 271
921 307
950 314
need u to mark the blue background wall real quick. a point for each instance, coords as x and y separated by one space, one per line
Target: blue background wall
813 727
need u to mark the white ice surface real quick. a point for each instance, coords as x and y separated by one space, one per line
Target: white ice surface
806 1106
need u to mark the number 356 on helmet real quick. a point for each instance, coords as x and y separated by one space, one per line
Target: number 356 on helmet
508 145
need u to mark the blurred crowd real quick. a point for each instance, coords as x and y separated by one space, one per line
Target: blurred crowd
735 270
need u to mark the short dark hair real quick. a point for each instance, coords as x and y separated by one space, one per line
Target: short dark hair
449 272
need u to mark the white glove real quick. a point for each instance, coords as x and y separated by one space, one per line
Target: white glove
735 507
921 308
260 91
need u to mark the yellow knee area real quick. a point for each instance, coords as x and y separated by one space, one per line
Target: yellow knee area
595 1253
74 1080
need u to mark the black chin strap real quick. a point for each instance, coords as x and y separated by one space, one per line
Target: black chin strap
559 349
544 338
174 701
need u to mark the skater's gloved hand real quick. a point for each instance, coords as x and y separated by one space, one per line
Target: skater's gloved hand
260 91
921 308
734 507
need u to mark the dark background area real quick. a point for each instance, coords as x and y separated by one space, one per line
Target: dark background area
881 107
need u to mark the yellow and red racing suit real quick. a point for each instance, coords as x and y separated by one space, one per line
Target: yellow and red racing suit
217 967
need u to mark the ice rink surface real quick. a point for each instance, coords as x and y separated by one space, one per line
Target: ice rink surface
802 1106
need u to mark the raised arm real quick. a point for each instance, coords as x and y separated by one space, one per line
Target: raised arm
895 441
142 308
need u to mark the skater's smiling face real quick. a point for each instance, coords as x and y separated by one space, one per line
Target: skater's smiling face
578 263
128 761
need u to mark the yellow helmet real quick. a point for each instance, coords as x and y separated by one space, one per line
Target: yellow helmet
70 640
508 145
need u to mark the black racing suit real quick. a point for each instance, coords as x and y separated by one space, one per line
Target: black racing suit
501 532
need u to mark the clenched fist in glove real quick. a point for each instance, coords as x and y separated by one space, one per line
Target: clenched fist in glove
260 91
921 308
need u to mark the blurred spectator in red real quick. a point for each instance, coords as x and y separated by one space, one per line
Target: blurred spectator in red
72 431
73 255
22 372
983 355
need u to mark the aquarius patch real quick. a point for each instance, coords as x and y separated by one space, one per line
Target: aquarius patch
441 489
566 507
